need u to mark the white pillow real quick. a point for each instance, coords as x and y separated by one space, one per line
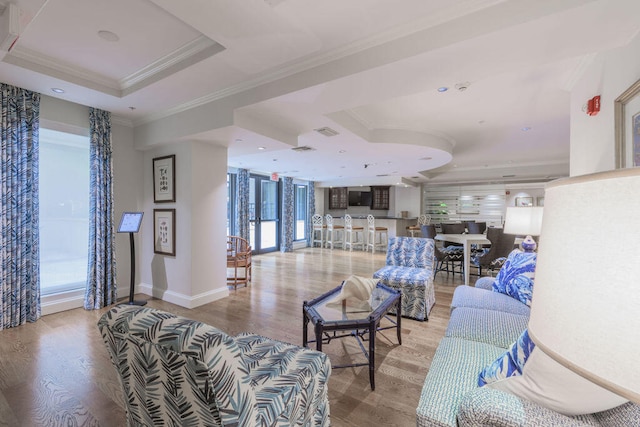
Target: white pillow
549 384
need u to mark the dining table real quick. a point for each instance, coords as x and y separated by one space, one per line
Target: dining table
466 240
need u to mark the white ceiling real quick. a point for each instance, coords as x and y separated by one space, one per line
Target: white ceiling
250 74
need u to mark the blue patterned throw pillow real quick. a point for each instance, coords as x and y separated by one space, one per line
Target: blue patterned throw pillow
510 363
520 287
518 263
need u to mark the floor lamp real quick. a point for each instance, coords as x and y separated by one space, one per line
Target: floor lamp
130 223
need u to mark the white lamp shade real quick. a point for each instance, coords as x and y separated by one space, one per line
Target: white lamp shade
525 221
586 295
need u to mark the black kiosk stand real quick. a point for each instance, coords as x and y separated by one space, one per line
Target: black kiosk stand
130 223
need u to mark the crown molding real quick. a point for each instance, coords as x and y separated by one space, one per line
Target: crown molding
192 52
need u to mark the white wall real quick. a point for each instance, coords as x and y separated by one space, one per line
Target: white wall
593 137
196 275
407 199
127 190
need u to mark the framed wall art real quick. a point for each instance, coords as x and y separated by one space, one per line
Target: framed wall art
524 201
627 121
164 231
164 179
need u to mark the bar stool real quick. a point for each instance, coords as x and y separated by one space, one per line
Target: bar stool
422 220
374 235
334 234
351 232
318 227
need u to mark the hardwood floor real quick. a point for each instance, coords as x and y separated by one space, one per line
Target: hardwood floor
56 371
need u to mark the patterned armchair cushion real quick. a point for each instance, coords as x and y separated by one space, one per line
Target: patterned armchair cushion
268 362
178 371
417 252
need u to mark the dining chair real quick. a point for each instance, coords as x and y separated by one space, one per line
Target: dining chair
443 262
493 258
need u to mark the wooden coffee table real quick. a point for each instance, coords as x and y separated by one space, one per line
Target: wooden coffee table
349 315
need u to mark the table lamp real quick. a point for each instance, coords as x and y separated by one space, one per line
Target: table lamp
586 294
525 221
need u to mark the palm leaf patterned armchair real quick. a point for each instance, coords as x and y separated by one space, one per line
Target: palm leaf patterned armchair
176 371
409 268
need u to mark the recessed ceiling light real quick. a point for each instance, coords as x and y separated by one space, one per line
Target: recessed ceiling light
108 36
426 158
275 160
443 89
342 151
526 129
261 148
57 90
132 108
238 139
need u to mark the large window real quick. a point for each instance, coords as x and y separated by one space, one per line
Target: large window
301 212
64 211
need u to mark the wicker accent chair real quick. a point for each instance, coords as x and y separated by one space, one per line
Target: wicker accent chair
179 372
238 259
496 255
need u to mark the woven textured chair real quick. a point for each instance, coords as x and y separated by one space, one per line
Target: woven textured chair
179 372
238 260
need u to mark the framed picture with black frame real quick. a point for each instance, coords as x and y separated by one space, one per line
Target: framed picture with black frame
164 231
164 179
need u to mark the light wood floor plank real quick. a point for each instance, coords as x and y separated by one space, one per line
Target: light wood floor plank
57 371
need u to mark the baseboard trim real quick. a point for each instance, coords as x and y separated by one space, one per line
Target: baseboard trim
56 303
183 300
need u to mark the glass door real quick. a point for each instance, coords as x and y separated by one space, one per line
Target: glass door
264 214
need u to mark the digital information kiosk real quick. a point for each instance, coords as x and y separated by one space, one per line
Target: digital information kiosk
130 223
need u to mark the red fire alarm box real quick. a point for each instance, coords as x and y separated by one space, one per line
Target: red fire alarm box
593 106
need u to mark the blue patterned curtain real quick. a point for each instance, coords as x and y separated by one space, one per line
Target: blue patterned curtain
242 197
311 210
19 224
101 272
288 220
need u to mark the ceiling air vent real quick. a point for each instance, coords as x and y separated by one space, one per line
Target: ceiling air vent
303 148
326 131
